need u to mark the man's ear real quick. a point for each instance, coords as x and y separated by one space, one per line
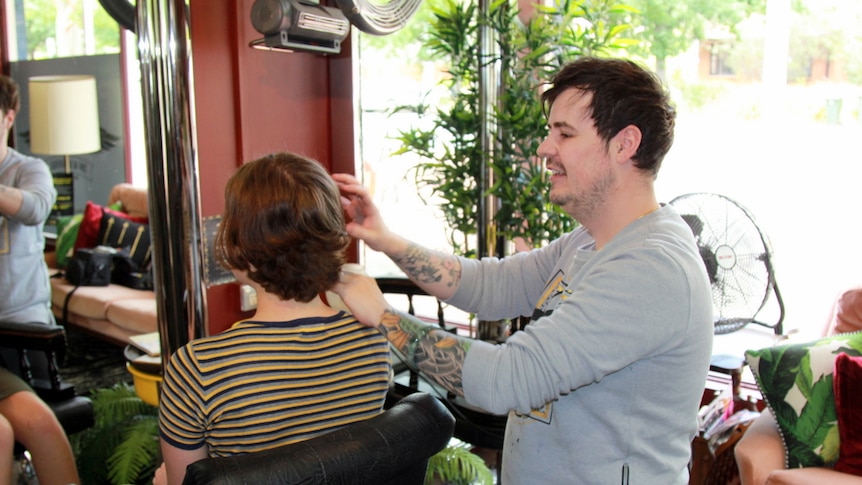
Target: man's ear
626 142
9 119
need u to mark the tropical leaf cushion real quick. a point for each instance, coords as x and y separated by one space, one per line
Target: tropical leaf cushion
796 382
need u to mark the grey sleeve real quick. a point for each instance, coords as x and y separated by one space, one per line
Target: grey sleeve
37 188
496 289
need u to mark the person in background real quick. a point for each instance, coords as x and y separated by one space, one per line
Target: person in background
27 195
845 316
25 418
605 382
297 368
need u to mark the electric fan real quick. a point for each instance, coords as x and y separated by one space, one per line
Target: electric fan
738 260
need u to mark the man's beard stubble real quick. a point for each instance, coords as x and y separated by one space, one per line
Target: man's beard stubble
585 205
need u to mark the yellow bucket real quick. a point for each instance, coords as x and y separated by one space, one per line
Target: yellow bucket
146 384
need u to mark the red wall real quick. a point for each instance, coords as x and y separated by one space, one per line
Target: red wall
251 102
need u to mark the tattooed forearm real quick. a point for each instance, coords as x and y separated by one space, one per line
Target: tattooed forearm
434 352
424 266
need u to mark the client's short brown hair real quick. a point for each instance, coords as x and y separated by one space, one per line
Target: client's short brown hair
283 224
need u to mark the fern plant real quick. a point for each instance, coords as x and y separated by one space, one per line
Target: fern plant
125 438
457 465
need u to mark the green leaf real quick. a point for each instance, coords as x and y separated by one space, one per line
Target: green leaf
831 445
125 437
818 416
137 453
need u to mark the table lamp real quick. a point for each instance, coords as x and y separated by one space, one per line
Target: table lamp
64 120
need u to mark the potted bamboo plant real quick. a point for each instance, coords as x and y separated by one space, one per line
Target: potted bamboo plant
526 55
463 170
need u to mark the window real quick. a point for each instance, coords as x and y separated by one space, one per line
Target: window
780 150
53 30
48 29
61 37
393 72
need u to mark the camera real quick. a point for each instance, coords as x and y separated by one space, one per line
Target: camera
90 266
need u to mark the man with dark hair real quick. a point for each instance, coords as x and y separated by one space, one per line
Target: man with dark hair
606 380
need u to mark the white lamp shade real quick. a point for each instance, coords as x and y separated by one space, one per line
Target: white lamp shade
64 115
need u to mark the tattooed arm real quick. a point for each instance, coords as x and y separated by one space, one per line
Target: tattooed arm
435 272
424 347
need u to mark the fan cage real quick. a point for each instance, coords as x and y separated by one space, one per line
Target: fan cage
379 18
737 256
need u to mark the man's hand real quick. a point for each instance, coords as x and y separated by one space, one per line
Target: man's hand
365 222
362 296
435 272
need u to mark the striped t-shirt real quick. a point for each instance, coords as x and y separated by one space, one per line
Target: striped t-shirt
260 385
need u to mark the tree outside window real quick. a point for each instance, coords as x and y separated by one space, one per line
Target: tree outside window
48 29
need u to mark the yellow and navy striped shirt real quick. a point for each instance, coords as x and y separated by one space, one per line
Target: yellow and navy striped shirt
260 385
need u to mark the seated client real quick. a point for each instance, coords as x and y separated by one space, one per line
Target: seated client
296 369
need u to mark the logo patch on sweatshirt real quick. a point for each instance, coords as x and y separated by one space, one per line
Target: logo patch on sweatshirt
556 290
542 415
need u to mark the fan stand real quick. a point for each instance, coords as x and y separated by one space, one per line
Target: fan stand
738 262
778 326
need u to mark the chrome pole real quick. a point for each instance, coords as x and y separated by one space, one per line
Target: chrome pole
489 84
174 204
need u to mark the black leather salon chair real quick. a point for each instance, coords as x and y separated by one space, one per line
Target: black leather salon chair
392 448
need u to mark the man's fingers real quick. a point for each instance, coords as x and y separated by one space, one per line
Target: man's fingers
344 177
353 206
346 180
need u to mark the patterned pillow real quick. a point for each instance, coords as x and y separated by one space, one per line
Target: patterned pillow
121 233
91 221
796 382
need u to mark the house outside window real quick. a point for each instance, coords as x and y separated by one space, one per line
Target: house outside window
718 65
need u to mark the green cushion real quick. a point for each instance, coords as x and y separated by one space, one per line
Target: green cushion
796 382
67 233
